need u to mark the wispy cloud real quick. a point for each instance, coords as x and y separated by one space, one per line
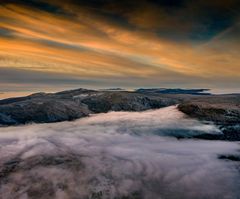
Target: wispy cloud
149 40
118 154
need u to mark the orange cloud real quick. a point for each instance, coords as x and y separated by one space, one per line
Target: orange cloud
90 45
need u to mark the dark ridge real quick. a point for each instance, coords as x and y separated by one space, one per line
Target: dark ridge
222 110
19 99
13 100
112 89
174 91
230 157
74 104
74 92
229 136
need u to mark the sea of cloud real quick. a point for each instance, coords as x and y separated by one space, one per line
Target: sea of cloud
115 155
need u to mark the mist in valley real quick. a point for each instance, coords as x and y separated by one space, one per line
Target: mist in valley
116 155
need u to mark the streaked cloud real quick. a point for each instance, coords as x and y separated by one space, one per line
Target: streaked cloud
158 42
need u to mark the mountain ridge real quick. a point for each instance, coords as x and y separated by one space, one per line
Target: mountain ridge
222 110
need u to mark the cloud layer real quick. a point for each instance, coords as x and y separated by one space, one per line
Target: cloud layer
115 155
143 43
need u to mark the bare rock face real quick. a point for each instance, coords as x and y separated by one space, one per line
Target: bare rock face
73 104
125 101
41 111
223 110
6 119
174 91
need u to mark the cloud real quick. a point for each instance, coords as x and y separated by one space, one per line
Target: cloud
110 39
117 154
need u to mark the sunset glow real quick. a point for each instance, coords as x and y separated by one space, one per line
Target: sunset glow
123 43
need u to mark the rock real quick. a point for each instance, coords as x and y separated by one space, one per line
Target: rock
41 111
7 120
74 104
223 110
124 101
174 91
235 158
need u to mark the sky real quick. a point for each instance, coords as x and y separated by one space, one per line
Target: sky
56 45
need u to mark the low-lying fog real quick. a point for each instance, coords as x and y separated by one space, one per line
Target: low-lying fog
117 155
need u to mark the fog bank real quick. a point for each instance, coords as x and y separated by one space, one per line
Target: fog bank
117 155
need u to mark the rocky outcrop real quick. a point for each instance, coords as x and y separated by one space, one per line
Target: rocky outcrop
223 110
73 104
125 101
174 91
41 111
